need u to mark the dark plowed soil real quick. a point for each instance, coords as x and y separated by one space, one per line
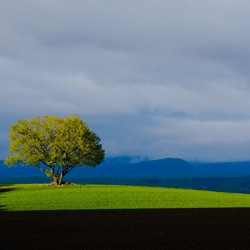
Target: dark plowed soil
221 228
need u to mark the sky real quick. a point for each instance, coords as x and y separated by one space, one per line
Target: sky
152 78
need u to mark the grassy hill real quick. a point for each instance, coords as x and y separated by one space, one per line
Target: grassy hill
21 197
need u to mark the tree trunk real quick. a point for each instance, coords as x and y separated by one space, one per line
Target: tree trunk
55 177
61 178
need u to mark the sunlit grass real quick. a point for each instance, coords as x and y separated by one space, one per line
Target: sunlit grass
32 197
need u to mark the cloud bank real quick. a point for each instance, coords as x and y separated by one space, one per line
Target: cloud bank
151 78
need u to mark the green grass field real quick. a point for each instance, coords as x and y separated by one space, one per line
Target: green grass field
20 197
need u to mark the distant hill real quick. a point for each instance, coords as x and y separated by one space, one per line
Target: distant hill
222 168
169 172
18 171
114 167
168 167
34 171
124 167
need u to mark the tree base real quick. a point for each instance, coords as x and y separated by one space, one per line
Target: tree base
64 183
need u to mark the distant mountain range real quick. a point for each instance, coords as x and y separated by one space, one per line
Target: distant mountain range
169 172
124 167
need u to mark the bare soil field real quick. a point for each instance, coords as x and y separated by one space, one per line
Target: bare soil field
213 228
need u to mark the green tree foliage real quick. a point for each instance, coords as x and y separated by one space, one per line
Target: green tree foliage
55 145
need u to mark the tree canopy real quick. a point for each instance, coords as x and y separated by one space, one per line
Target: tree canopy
55 145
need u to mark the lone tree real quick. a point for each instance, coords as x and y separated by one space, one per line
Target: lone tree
55 145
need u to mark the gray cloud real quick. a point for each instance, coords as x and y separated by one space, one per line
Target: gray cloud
156 78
